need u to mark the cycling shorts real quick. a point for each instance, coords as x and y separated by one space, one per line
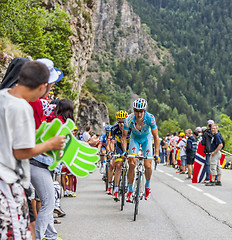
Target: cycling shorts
145 142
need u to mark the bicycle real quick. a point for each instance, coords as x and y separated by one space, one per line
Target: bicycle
107 165
123 181
139 193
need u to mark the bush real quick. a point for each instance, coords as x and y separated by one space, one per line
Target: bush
39 33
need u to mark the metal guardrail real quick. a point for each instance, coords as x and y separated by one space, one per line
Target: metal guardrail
225 152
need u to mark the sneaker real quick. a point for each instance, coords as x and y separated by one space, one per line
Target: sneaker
109 191
218 183
147 193
189 177
129 197
102 169
206 181
116 197
210 184
59 211
66 194
72 194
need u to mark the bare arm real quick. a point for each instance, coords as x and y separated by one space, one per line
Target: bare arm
55 143
219 147
112 145
108 145
123 140
99 147
156 140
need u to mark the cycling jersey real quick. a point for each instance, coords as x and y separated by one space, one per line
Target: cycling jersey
103 140
143 137
116 134
149 123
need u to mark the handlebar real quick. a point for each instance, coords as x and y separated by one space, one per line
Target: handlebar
135 156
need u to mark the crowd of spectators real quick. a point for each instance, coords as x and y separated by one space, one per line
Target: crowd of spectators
179 150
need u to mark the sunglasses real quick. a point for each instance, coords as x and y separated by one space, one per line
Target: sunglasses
136 110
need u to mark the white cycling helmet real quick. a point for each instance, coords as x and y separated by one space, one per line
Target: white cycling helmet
140 103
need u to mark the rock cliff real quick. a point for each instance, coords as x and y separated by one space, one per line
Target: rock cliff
81 14
118 31
93 114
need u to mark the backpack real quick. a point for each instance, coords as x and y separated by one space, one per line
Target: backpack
11 77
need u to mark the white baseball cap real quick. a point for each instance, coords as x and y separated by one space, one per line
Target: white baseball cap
55 74
198 129
210 122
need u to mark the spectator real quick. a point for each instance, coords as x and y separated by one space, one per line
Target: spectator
75 133
173 143
191 149
168 149
182 146
215 150
199 130
18 146
163 150
206 141
64 110
40 175
86 135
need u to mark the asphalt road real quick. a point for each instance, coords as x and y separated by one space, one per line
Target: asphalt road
177 209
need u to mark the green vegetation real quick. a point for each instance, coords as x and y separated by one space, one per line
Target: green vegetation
198 34
39 33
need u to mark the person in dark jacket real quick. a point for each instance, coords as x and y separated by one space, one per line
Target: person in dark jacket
191 149
215 150
206 141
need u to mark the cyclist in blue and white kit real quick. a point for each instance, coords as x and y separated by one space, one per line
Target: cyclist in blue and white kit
143 130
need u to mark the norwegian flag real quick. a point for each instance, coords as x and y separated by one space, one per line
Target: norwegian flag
199 173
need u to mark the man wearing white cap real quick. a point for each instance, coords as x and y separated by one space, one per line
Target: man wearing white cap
199 130
40 175
206 141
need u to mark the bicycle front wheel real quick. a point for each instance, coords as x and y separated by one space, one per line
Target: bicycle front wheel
137 193
107 178
123 189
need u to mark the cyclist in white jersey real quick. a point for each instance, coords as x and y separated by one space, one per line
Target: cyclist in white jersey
143 130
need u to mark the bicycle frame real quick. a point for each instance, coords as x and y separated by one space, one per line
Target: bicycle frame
139 184
107 165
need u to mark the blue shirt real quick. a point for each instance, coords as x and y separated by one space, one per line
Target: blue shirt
149 123
215 141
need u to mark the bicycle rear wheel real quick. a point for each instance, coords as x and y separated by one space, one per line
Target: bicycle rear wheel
137 192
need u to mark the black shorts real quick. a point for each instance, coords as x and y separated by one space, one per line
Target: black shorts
190 160
31 213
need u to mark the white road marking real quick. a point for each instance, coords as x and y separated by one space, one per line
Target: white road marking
196 188
170 175
160 170
214 198
178 179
